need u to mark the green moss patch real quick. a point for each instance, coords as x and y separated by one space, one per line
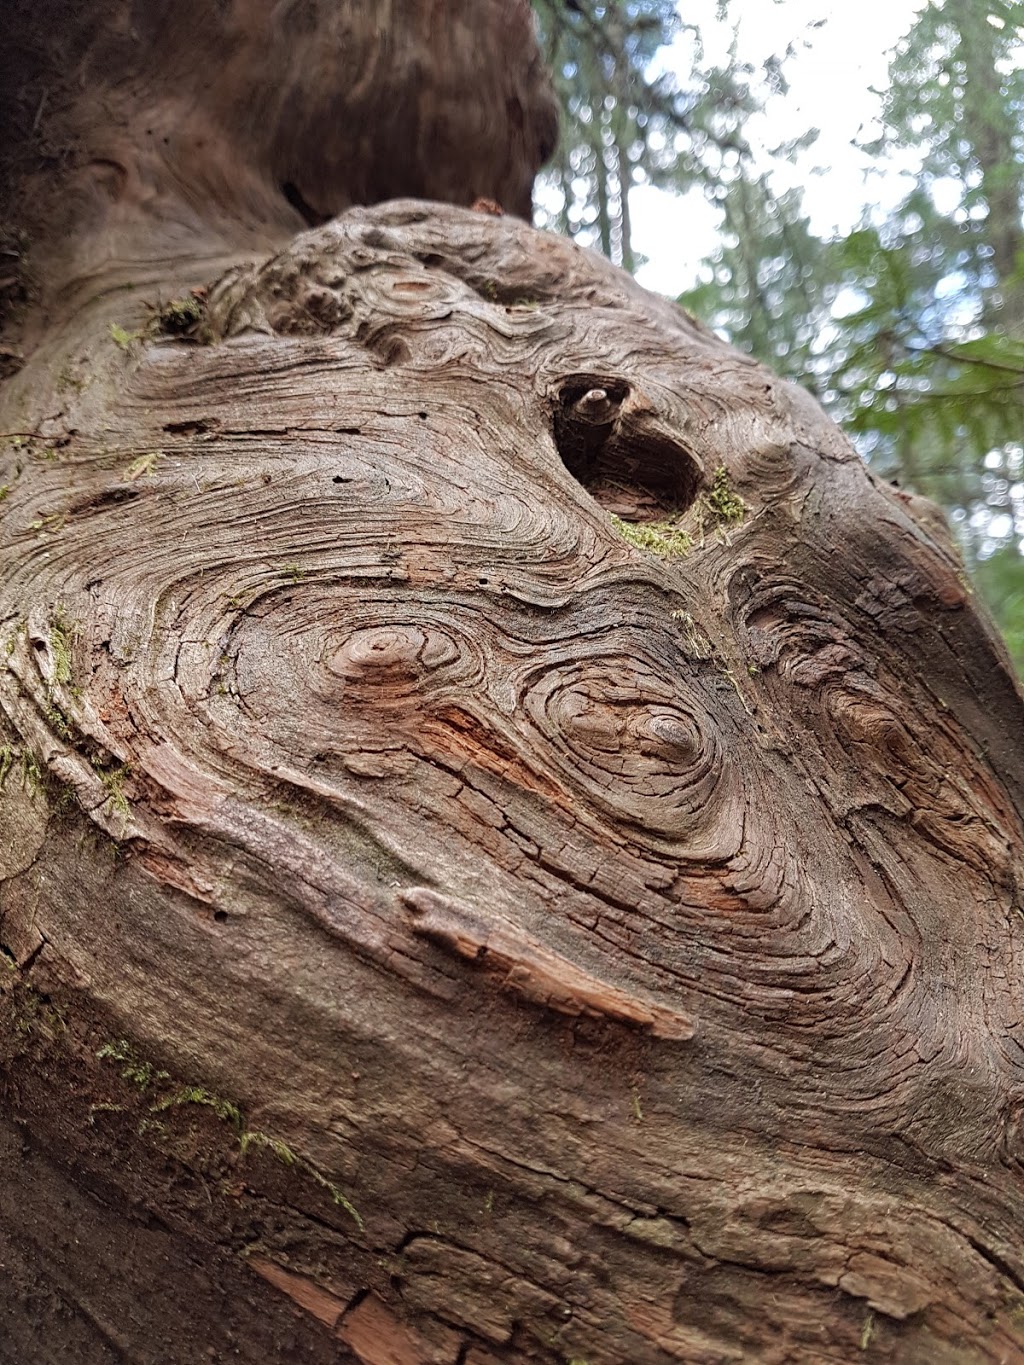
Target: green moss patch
181 317
721 500
662 538
175 1097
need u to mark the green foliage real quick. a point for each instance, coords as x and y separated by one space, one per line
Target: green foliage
956 93
141 466
59 723
919 394
1001 580
63 634
771 284
911 328
31 773
252 1138
144 1074
867 1330
113 778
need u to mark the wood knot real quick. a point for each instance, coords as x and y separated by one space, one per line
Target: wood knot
595 408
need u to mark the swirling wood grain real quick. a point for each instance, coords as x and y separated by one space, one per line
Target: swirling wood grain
635 941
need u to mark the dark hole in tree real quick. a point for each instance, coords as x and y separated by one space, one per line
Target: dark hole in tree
111 498
628 461
311 217
389 349
191 428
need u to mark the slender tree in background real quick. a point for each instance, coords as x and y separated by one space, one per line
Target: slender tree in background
622 125
957 95
953 421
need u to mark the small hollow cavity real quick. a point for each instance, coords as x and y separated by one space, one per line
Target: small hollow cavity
310 216
503 293
112 497
626 459
190 428
389 350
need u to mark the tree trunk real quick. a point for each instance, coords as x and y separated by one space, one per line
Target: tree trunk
438 927
989 133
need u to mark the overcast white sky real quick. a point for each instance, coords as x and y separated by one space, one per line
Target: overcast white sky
830 89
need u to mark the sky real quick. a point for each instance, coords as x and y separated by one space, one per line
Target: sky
830 87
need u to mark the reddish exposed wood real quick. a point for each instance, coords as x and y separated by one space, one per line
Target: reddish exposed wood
378 1338
326 1308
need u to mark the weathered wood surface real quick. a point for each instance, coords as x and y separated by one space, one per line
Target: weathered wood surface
501 943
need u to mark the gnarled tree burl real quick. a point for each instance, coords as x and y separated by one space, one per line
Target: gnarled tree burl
508 831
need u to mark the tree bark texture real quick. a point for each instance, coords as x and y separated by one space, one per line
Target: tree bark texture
439 929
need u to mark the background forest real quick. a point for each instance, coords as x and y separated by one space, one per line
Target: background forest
909 328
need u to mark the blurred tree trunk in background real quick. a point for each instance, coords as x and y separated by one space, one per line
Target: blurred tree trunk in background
990 128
